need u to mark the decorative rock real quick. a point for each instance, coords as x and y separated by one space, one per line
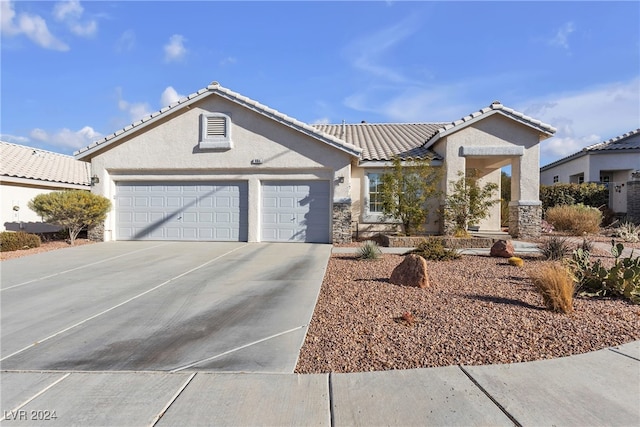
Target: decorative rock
411 272
502 248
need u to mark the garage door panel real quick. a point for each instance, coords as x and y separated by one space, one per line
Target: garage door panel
296 211
181 211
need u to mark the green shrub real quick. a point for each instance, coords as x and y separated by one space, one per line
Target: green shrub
433 249
369 250
556 286
555 248
621 280
13 241
590 194
576 219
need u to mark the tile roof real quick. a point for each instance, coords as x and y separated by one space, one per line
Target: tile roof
629 141
19 161
215 88
382 141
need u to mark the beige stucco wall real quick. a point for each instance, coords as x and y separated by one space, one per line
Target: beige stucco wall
503 134
370 225
24 219
169 150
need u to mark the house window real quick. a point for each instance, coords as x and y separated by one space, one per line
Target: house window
375 198
215 132
581 179
555 178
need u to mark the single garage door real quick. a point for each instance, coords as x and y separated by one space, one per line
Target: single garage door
206 211
296 211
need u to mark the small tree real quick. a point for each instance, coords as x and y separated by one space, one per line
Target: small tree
406 188
468 203
71 209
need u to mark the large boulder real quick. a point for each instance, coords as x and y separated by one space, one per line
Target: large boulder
502 248
412 271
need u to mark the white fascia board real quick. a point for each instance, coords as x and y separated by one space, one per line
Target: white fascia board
487 151
387 163
36 183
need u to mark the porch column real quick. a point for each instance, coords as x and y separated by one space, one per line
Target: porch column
525 208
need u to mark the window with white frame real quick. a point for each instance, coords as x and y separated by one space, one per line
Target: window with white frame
215 131
555 178
375 196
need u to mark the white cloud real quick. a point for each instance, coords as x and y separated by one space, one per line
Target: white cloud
367 53
70 12
67 9
322 121
175 50
33 27
14 139
229 60
586 117
66 138
126 42
135 110
561 38
169 96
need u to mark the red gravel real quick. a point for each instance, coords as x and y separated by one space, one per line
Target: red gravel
479 310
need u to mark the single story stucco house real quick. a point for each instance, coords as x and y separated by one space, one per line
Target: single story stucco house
26 172
613 162
217 165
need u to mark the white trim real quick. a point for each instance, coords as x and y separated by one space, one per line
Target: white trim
492 150
36 183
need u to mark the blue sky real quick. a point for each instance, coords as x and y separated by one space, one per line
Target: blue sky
72 72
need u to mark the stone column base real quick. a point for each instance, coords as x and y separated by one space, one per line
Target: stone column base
342 222
96 233
525 218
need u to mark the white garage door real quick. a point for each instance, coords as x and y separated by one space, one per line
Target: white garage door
296 211
212 211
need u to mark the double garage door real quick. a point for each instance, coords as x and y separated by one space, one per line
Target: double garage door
290 211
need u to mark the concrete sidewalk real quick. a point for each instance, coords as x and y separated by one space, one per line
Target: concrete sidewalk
598 388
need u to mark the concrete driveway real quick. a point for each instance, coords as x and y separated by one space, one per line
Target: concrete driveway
170 306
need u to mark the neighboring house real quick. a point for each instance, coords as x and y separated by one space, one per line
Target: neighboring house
217 165
611 162
26 172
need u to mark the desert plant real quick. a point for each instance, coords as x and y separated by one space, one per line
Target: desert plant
13 241
576 219
515 261
433 249
369 250
586 245
405 190
594 279
468 202
629 232
556 286
555 248
71 209
545 227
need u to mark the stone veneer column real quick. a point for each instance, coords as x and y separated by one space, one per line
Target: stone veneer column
525 218
96 233
633 201
342 222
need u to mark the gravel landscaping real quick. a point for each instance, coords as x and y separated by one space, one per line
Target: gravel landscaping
478 310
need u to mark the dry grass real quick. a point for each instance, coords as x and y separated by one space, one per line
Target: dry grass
556 286
576 219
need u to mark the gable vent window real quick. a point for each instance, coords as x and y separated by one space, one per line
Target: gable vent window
215 132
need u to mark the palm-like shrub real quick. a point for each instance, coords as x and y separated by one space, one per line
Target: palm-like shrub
369 250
